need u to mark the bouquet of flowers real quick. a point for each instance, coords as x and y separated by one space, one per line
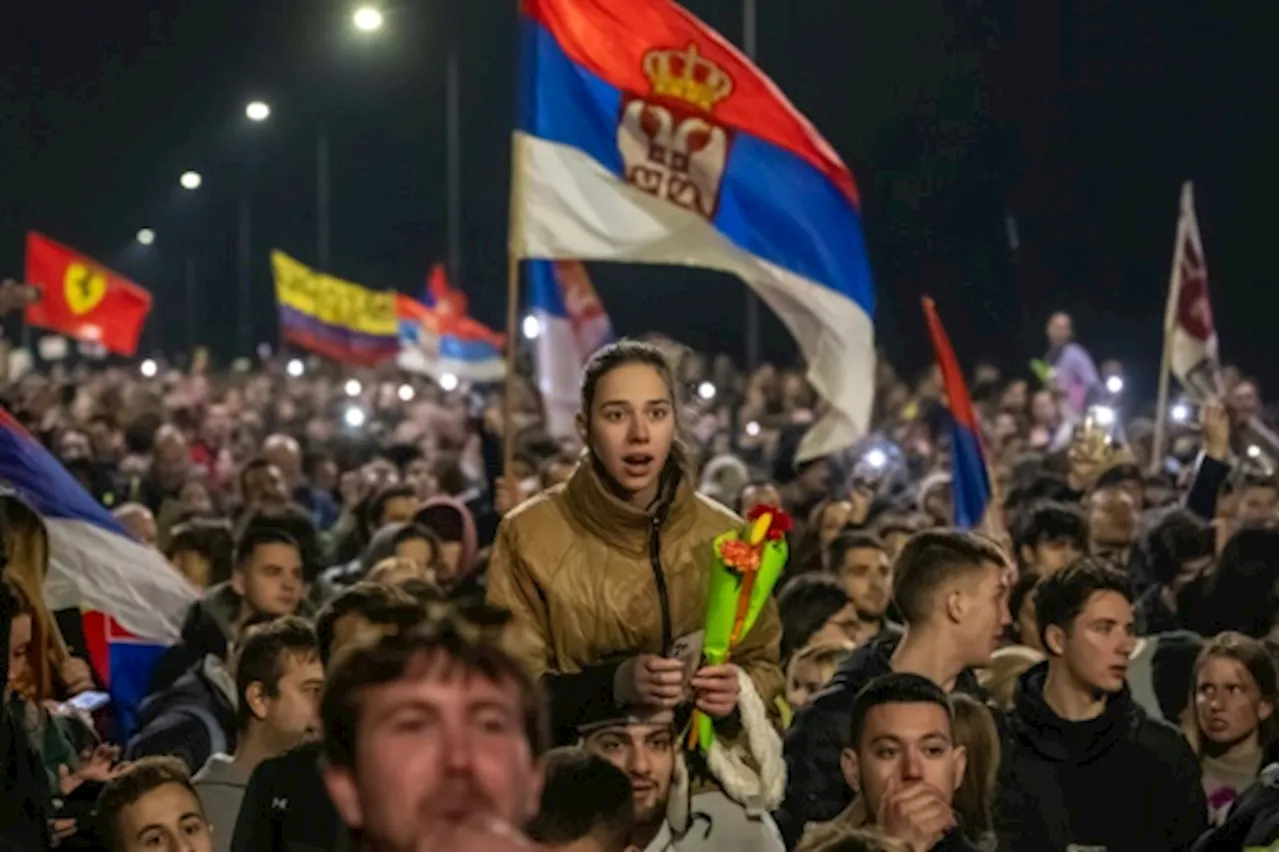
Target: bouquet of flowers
747 566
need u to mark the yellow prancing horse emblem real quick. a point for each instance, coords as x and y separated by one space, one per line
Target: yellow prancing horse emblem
84 287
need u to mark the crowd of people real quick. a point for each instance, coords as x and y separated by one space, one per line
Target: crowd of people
399 645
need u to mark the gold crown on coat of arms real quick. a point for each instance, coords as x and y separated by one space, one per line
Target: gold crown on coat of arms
686 76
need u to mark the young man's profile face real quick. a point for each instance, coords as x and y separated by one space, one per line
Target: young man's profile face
168 818
904 744
293 712
1096 650
439 748
647 754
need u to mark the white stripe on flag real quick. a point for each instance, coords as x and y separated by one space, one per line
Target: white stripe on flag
559 364
92 569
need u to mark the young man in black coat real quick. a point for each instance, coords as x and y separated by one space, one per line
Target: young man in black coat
952 590
1084 767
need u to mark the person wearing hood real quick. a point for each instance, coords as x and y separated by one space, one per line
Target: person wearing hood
1083 766
411 541
455 527
607 576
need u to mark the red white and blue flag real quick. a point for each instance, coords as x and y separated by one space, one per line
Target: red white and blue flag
572 324
133 600
643 136
970 481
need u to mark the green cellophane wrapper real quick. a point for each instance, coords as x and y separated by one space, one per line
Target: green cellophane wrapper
722 608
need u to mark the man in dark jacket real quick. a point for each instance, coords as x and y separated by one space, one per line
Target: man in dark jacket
952 591
285 806
1084 767
191 720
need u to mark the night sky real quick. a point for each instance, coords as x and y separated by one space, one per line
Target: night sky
1077 121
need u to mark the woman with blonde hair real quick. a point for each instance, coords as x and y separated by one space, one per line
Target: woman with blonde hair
26 550
1233 704
975 729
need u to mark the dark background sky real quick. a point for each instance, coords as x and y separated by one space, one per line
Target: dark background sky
1077 119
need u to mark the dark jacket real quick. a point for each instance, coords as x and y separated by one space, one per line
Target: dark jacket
24 791
286 807
816 789
1122 781
206 629
1252 821
190 720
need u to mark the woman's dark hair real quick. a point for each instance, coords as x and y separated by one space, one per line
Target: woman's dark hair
1178 537
805 604
621 354
1241 594
1023 586
210 538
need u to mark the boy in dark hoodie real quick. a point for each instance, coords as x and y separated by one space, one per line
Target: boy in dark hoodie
453 522
1084 767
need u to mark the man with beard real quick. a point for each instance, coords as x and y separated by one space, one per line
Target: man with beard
278 680
431 742
644 744
860 563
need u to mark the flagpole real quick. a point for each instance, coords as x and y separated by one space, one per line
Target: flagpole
1170 320
453 155
753 301
515 248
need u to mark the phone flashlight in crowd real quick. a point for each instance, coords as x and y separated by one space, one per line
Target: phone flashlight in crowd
148 368
753 429
706 391
1180 412
448 382
295 367
405 393
875 458
531 327
353 387
353 417
1254 451
1115 385
1104 416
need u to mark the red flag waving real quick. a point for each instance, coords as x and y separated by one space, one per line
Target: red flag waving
82 299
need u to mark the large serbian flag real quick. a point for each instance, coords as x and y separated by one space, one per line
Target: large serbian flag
571 323
643 136
133 600
82 299
970 479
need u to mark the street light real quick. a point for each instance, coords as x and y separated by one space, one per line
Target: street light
190 180
257 111
146 236
367 19
531 327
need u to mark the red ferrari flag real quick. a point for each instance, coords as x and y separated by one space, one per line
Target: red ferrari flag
82 299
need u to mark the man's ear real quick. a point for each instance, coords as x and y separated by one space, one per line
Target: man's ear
1265 709
1028 555
341 785
961 757
956 606
237 582
256 698
849 768
1055 640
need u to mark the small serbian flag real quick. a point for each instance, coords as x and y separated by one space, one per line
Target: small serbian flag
643 136
970 484
440 343
572 324
133 600
82 299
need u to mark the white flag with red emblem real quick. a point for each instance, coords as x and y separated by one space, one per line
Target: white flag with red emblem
1188 323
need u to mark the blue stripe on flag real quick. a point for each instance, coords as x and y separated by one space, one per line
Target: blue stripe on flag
543 289
971 492
817 233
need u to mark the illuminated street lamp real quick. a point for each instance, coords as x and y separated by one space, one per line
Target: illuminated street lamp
367 19
190 180
257 111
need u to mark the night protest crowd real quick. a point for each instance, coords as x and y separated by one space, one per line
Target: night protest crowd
397 647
